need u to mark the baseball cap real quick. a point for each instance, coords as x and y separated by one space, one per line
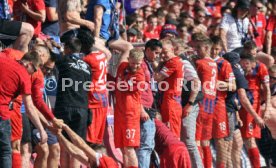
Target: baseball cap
243 4
132 31
169 28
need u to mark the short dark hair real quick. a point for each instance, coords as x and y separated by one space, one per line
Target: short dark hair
33 57
153 44
249 45
216 40
87 39
74 44
247 56
150 17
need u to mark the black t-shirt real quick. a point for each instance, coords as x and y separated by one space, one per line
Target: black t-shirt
73 81
241 82
50 27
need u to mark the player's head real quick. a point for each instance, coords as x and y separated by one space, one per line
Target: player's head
49 66
250 47
31 61
153 49
72 46
43 52
202 45
135 59
247 62
87 40
216 47
167 50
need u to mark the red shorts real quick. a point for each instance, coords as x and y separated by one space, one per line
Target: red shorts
249 129
171 111
95 131
127 129
16 124
175 156
204 123
220 120
107 162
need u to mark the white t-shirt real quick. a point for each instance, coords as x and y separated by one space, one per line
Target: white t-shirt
235 30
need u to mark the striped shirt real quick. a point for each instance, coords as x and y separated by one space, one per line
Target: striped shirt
189 71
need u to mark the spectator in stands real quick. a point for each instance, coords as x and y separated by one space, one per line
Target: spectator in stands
152 31
31 11
234 27
70 20
106 18
168 32
258 23
183 33
271 26
21 32
199 20
50 26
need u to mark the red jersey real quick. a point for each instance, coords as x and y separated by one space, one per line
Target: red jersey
127 95
37 80
258 76
259 22
214 9
207 73
15 80
97 97
173 69
225 73
154 35
271 26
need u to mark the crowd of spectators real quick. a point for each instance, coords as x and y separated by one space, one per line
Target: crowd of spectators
171 79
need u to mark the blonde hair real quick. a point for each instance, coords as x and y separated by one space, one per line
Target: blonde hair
136 54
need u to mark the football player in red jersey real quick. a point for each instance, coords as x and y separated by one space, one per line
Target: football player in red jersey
129 82
97 97
207 72
226 82
171 74
256 74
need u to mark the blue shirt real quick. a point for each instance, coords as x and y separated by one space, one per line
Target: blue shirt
50 27
107 16
241 83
